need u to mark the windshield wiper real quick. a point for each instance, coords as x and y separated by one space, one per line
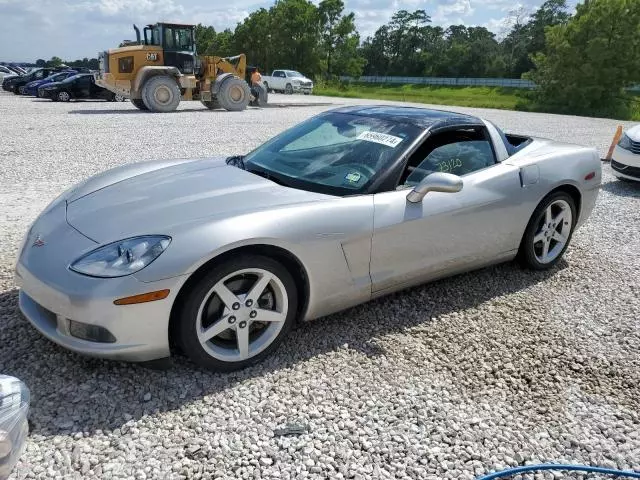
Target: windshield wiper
269 176
236 161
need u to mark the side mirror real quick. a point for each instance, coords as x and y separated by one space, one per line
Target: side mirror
435 182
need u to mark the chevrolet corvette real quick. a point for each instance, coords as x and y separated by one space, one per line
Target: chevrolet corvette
221 256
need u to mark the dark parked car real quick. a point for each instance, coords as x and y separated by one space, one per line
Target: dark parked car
17 84
77 87
31 88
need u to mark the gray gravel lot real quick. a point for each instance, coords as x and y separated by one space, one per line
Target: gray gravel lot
450 380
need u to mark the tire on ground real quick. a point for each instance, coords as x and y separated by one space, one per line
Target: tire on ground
186 329
139 104
526 253
263 96
161 94
234 94
212 104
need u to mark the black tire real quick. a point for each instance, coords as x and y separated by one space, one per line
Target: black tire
186 329
288 89
16 90
526 253
234 94
139 104
161 94
211 104
262 96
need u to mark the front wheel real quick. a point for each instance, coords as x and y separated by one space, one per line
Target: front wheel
288 89
161 94
238 313
549 232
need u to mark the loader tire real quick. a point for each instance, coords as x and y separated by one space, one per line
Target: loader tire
234 94
211 104
161 94
139 104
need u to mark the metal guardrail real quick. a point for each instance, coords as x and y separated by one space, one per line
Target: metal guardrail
452 81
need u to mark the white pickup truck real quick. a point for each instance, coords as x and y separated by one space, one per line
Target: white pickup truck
287 81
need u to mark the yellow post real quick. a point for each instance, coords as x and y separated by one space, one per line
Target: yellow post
616 139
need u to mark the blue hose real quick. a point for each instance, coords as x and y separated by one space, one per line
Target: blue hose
574 468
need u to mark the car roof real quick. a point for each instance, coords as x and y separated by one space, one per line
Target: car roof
418 116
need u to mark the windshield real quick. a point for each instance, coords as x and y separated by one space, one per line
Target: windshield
293 73
58 76
334 153
72 78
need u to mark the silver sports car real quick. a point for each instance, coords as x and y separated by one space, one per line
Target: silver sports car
221 256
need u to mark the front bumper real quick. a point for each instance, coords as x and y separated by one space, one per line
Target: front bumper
625 164
302 89
51 295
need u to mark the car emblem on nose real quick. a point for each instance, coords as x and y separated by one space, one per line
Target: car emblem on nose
38 242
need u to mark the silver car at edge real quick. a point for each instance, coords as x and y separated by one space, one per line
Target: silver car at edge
221 256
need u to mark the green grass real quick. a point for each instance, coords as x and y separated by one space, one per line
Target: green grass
480 97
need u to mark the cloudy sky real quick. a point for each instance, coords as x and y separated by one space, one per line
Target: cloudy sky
71 29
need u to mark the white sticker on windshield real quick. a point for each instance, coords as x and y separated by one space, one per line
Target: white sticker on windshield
381 138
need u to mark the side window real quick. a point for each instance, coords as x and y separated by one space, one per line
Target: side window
39 75
125 65
83 81
279 74
459 152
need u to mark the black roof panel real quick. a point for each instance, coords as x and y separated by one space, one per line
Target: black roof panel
420 117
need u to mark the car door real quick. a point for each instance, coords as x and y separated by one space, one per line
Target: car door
446 232
81 87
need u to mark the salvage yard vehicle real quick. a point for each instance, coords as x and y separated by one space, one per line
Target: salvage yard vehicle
221 256
31 88
14 427
17 84
626 155
77 87
288 81
163 68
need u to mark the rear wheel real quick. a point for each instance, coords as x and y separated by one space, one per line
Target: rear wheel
238 313
549 232
234 94
63 96
161 94
139 104
119 98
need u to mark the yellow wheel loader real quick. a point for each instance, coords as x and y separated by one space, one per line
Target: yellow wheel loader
162 68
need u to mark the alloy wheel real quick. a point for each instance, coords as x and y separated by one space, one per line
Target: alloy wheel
552 234
242 314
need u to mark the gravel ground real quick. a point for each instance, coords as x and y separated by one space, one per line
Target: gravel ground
450 380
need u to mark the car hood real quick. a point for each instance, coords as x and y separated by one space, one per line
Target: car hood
634 133
138 201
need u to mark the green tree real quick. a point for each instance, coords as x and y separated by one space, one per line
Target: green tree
589 61
54 62
340 40
41 63
254 38
206 37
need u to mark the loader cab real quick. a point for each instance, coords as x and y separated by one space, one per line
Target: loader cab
178 42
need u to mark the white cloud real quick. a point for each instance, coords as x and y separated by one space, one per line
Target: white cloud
72 29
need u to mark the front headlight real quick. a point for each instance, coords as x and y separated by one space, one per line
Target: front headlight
625 142
121 258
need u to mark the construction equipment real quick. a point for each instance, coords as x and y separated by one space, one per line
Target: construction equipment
162 68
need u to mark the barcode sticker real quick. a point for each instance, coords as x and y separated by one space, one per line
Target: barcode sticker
381 138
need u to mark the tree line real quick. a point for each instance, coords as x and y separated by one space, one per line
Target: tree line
581 62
